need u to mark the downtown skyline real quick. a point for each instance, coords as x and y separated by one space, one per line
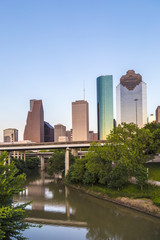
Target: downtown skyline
50 50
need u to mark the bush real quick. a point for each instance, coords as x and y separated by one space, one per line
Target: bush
117 177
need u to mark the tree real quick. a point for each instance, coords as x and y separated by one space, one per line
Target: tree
141 176
154 146
76 171
117 177
12 215
129 146
56 163
98 163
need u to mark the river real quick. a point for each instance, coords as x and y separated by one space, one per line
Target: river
67 214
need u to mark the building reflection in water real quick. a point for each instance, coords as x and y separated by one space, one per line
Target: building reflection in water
56 204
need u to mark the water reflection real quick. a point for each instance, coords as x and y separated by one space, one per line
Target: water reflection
54 203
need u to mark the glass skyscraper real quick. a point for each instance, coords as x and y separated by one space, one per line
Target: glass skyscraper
104 105
132 99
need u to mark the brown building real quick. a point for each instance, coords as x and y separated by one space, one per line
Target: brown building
158 114
34 129
69 135
93 136
80 121
59 131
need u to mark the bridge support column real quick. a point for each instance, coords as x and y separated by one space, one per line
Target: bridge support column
9 158
66 161
42 163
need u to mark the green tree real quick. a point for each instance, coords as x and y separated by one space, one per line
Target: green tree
12 215
141 176
98 163
56 163
117 177
154 146
129 146
76 171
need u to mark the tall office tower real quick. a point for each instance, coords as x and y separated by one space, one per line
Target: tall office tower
10 135
132 99
80 121
48 132
34 129
59 131
158 114
104 105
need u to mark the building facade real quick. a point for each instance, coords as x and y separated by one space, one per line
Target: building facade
80 120
104 105
10 135
93 136
131 96
59 131
158 114
34 129
48 132
151 118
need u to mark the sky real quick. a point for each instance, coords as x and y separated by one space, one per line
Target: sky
51 49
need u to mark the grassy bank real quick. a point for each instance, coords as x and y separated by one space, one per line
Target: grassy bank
154 171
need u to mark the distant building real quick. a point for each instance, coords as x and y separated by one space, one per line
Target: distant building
104 105
93 136
48 132
80 121
151 118
59 130
34 129
10 135
132 100
158 114
69 135
63 139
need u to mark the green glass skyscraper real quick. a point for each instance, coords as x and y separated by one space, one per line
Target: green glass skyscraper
104 105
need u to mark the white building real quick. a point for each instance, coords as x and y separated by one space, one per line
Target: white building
132 99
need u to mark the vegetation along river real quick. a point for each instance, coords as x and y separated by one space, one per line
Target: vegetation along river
67 214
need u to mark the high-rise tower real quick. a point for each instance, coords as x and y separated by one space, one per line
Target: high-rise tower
34 129
158 114
80 121
104 105
132 99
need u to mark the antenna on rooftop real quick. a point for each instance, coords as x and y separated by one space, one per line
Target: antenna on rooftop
83 90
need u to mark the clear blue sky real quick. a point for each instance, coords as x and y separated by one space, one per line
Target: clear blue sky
48 48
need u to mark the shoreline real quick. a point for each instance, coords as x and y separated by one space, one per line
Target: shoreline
142 205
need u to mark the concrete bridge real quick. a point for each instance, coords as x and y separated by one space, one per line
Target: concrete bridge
19 149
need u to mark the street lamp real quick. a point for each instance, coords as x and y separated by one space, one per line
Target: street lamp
136 100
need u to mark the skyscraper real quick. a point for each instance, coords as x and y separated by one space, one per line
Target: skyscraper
80 121
132 99
104 105
10 135
34 129
48 132
59 131
158 114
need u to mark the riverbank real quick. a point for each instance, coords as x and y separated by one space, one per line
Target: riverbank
144 205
